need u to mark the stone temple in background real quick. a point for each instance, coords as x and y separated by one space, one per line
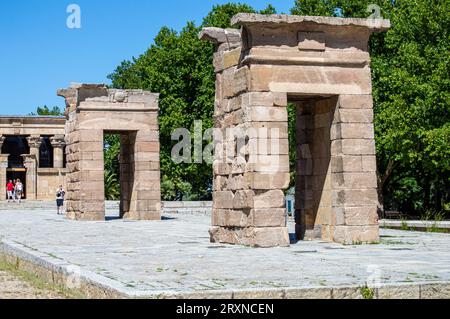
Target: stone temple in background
32 150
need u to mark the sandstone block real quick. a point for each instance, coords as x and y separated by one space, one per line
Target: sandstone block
268 146
267 129
268 181
369 163
234 81
353 147
269 199
352 131
268 217
268 163
343 163
264 99
89 136
142 215
359 216
354 116
223 200
350 235
230 218
271 237
355 101
354 180
236 182
310 79
265 114
255 237
243 199
355 198
231 58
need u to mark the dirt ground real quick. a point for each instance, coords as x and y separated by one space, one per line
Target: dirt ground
13 286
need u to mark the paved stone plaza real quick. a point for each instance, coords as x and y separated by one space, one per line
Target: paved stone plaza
175 255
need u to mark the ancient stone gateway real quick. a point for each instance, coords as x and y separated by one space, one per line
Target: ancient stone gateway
322 65
95 110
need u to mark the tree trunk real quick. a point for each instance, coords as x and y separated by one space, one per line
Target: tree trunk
382 179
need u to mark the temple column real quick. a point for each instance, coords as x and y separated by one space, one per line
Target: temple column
58 144
2 140
30 162
3 167
34 142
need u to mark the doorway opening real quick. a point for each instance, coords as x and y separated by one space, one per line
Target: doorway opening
310 127
118 172
13 174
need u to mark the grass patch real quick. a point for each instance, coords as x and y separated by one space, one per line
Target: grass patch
405 226
38 283
367 293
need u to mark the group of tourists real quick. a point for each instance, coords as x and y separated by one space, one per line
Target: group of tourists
14 190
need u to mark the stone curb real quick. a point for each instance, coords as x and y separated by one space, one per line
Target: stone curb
92 285
415 224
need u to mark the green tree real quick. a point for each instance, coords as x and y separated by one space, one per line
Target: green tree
179 66
45 111
410 71
111 153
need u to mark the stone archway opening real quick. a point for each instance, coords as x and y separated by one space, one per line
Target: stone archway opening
123 168
314 120
94 111
15 147
321 64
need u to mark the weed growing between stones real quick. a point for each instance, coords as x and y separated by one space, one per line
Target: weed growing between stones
368 293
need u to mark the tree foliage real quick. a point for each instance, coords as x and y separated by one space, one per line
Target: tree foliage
179 66
111 153
45 111
410 68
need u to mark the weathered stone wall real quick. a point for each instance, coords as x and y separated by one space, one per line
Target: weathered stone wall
249 202
94 110
323 65
48 181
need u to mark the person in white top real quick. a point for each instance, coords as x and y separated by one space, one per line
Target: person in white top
60 193
19 190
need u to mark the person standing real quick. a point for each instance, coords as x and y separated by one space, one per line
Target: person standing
10 190
19 190
60 193
14 190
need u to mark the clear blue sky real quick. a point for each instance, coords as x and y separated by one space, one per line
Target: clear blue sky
39 54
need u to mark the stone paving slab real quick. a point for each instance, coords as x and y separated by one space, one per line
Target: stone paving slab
175 256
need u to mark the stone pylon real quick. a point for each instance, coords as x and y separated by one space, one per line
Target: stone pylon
322 66
92 111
